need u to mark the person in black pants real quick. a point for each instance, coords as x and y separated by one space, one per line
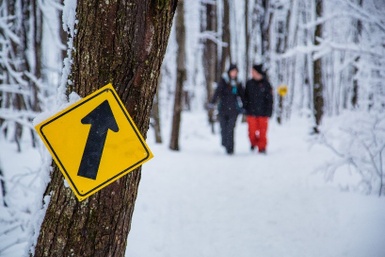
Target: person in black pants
228 94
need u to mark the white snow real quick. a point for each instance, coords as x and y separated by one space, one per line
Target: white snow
201 202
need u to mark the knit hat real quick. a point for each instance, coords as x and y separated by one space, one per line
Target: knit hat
232 67
258 68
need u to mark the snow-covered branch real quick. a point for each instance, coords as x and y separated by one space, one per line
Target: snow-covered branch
6 31
371 16
360 146
325 47
47 8
212 2
214 37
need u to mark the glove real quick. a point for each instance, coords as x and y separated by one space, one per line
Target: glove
210 106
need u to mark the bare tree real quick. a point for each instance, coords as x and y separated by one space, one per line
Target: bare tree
264 14
278 43
2 188
248 32
357 36
225 50
180 76
123 43
155 114
210 58
318 99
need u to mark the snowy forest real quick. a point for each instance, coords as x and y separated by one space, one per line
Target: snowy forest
328 54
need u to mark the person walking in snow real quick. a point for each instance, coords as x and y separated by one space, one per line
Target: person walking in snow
258 105
228 95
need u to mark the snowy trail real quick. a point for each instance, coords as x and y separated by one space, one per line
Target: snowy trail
201 202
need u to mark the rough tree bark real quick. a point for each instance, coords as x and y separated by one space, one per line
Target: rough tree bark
122 42
180 76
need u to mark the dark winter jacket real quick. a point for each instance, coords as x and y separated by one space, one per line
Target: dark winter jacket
258 98
228 94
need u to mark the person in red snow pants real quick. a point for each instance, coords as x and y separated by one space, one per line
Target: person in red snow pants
257 132
258 106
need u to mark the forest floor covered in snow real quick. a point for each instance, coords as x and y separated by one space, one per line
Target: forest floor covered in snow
201 202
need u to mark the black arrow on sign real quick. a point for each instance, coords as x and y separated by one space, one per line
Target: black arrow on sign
101 119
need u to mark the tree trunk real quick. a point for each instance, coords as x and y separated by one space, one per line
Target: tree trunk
210 57
317 74
226 51
63 34
180 76
36 32
123 43
266 22
248 32
2 188
156 114
357 36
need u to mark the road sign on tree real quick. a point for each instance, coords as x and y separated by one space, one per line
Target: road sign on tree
94 142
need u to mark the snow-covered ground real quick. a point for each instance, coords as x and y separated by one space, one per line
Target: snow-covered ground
200 202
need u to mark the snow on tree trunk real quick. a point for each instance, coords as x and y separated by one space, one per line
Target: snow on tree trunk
123 43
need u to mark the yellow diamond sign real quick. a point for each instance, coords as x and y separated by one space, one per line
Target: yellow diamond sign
282 90
94 142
